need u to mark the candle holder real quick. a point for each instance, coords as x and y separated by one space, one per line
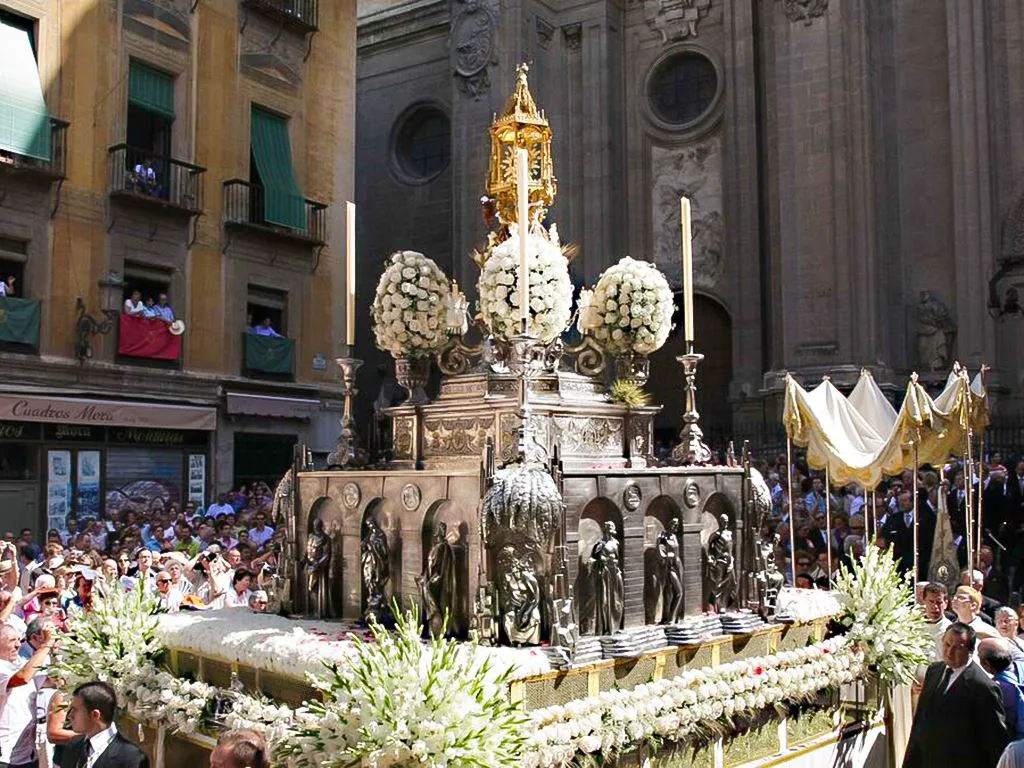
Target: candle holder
349 453
691 449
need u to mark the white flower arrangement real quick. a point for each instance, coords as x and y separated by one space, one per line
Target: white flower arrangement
396 704
409 306
631 308
112 640
880 615
599 727
550 286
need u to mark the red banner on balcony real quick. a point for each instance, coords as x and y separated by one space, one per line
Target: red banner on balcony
147 337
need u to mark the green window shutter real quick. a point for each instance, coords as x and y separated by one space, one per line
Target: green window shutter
151 90
24 121
283 203
269 354
19 321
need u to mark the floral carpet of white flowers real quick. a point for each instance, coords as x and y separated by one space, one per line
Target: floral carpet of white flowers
297 647
550 287
630 309
409 306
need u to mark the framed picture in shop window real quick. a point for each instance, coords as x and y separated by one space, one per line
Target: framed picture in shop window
58 488
87 496
197 479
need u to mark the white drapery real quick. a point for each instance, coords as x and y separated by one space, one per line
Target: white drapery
862 438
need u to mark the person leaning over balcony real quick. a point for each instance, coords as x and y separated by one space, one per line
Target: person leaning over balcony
7 286
163 309
145 178
134 305
149 310
266 329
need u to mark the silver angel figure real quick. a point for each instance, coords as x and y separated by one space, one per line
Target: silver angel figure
606 576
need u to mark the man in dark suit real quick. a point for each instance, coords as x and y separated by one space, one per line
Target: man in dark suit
92 710
959 718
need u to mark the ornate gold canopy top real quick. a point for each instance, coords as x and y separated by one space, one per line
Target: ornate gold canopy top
521 126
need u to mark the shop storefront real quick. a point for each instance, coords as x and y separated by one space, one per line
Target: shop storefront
71 457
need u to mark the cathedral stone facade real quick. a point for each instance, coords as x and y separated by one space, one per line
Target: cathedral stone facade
856 169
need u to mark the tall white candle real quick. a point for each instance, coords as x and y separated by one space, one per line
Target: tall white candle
687 242
523 191
350 274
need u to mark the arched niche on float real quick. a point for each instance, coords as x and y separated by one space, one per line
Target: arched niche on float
657 519
458 532
382 512
593 517
326 510
715 506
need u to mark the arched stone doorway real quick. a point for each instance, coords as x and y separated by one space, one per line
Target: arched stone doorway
713 329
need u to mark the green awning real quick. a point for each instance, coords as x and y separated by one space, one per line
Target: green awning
151 90
269 354
24 121
19 321
283 203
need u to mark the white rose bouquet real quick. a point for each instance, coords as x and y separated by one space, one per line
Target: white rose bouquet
409 307
631 309
550 287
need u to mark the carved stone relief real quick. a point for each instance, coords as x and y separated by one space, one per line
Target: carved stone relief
474 34
456 436
573 36
589 436
675 19
404 438
696 172
804 10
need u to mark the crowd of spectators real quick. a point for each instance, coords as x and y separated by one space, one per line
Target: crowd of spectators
187 558
885 516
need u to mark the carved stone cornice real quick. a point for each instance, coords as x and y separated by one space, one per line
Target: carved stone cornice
805 11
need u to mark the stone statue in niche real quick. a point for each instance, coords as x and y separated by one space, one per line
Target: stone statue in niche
375 560
608 585
438 585
316 564
720 565
936 330
671 567
519 594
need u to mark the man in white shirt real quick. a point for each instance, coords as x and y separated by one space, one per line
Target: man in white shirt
134 305
168 599
7 286
261 533
17 697
92 710
220 508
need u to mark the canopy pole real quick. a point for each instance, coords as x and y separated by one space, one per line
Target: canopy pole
792 519
981 496
917 523
867 511
828 523
968 531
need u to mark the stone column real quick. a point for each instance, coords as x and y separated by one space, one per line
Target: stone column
971 160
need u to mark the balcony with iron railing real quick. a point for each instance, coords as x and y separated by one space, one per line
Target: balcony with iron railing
142 177
301 15
245 209
53 169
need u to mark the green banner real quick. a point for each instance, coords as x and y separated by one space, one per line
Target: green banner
19 321
269 354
